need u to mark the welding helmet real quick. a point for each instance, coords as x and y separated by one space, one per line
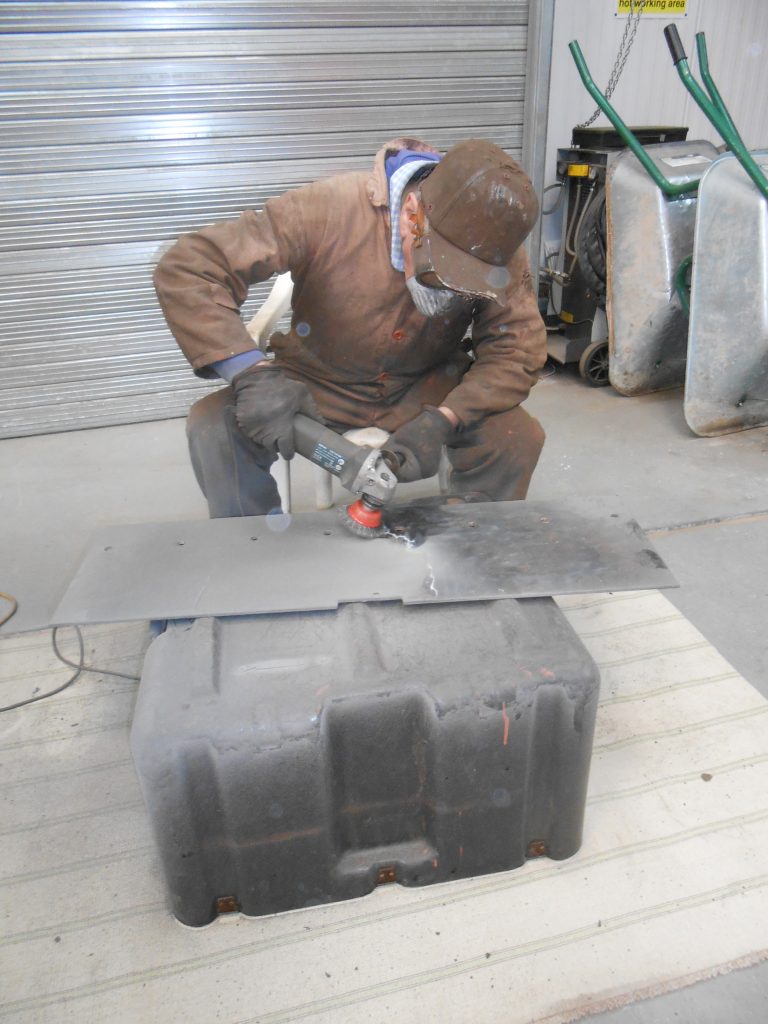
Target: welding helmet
477 207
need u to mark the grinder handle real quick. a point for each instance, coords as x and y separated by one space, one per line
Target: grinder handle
328 449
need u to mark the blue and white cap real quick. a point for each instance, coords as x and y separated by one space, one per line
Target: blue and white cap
401 168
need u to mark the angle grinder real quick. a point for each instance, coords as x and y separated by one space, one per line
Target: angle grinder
370 473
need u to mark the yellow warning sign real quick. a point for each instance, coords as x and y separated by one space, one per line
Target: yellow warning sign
654 8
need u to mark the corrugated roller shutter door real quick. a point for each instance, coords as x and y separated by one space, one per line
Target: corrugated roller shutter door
125 124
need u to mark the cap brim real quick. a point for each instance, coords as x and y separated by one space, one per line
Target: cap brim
459 271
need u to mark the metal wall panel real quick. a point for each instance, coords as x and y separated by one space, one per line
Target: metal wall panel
125 123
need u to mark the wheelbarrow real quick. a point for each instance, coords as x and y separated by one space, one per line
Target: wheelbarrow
726 342
650 223
726 382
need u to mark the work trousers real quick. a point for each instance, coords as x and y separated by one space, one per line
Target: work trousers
494 459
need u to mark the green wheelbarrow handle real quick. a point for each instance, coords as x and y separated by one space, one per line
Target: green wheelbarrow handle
668 187
712 105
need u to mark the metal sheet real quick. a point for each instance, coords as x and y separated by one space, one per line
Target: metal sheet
191 152
207 184
248 95
48 81
435 553
22 46
237 125
648 237
130 15
726 386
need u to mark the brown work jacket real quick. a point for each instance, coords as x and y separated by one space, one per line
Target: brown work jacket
356 338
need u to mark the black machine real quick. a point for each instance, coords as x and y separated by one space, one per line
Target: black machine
580 274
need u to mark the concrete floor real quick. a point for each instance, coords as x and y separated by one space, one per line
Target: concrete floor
705 502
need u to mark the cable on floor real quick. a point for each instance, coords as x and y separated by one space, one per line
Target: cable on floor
79 666
14 605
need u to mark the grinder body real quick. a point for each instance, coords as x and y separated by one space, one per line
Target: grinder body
367 472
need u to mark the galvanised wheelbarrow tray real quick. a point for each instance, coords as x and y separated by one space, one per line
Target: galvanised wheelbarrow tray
648 235
726 383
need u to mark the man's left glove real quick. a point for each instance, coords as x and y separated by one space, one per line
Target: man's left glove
418 444
266 402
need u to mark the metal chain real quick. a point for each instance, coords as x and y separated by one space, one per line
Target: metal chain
636 8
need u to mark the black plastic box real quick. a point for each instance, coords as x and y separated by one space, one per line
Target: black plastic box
296 759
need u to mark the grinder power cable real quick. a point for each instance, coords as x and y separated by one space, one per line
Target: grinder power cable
369 473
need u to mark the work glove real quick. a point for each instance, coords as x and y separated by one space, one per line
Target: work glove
266 402
418 444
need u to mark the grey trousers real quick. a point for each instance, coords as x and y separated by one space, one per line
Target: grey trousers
495 459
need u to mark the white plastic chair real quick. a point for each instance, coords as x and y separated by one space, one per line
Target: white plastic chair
260 328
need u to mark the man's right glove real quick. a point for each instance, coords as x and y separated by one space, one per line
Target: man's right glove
266 402
419 442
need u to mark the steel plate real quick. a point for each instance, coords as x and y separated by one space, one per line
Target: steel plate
435 553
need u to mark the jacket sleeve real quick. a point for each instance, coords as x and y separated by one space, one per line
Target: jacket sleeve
203 280
509 344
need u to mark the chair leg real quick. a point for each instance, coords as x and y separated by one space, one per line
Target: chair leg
323 489
444 473
281 471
